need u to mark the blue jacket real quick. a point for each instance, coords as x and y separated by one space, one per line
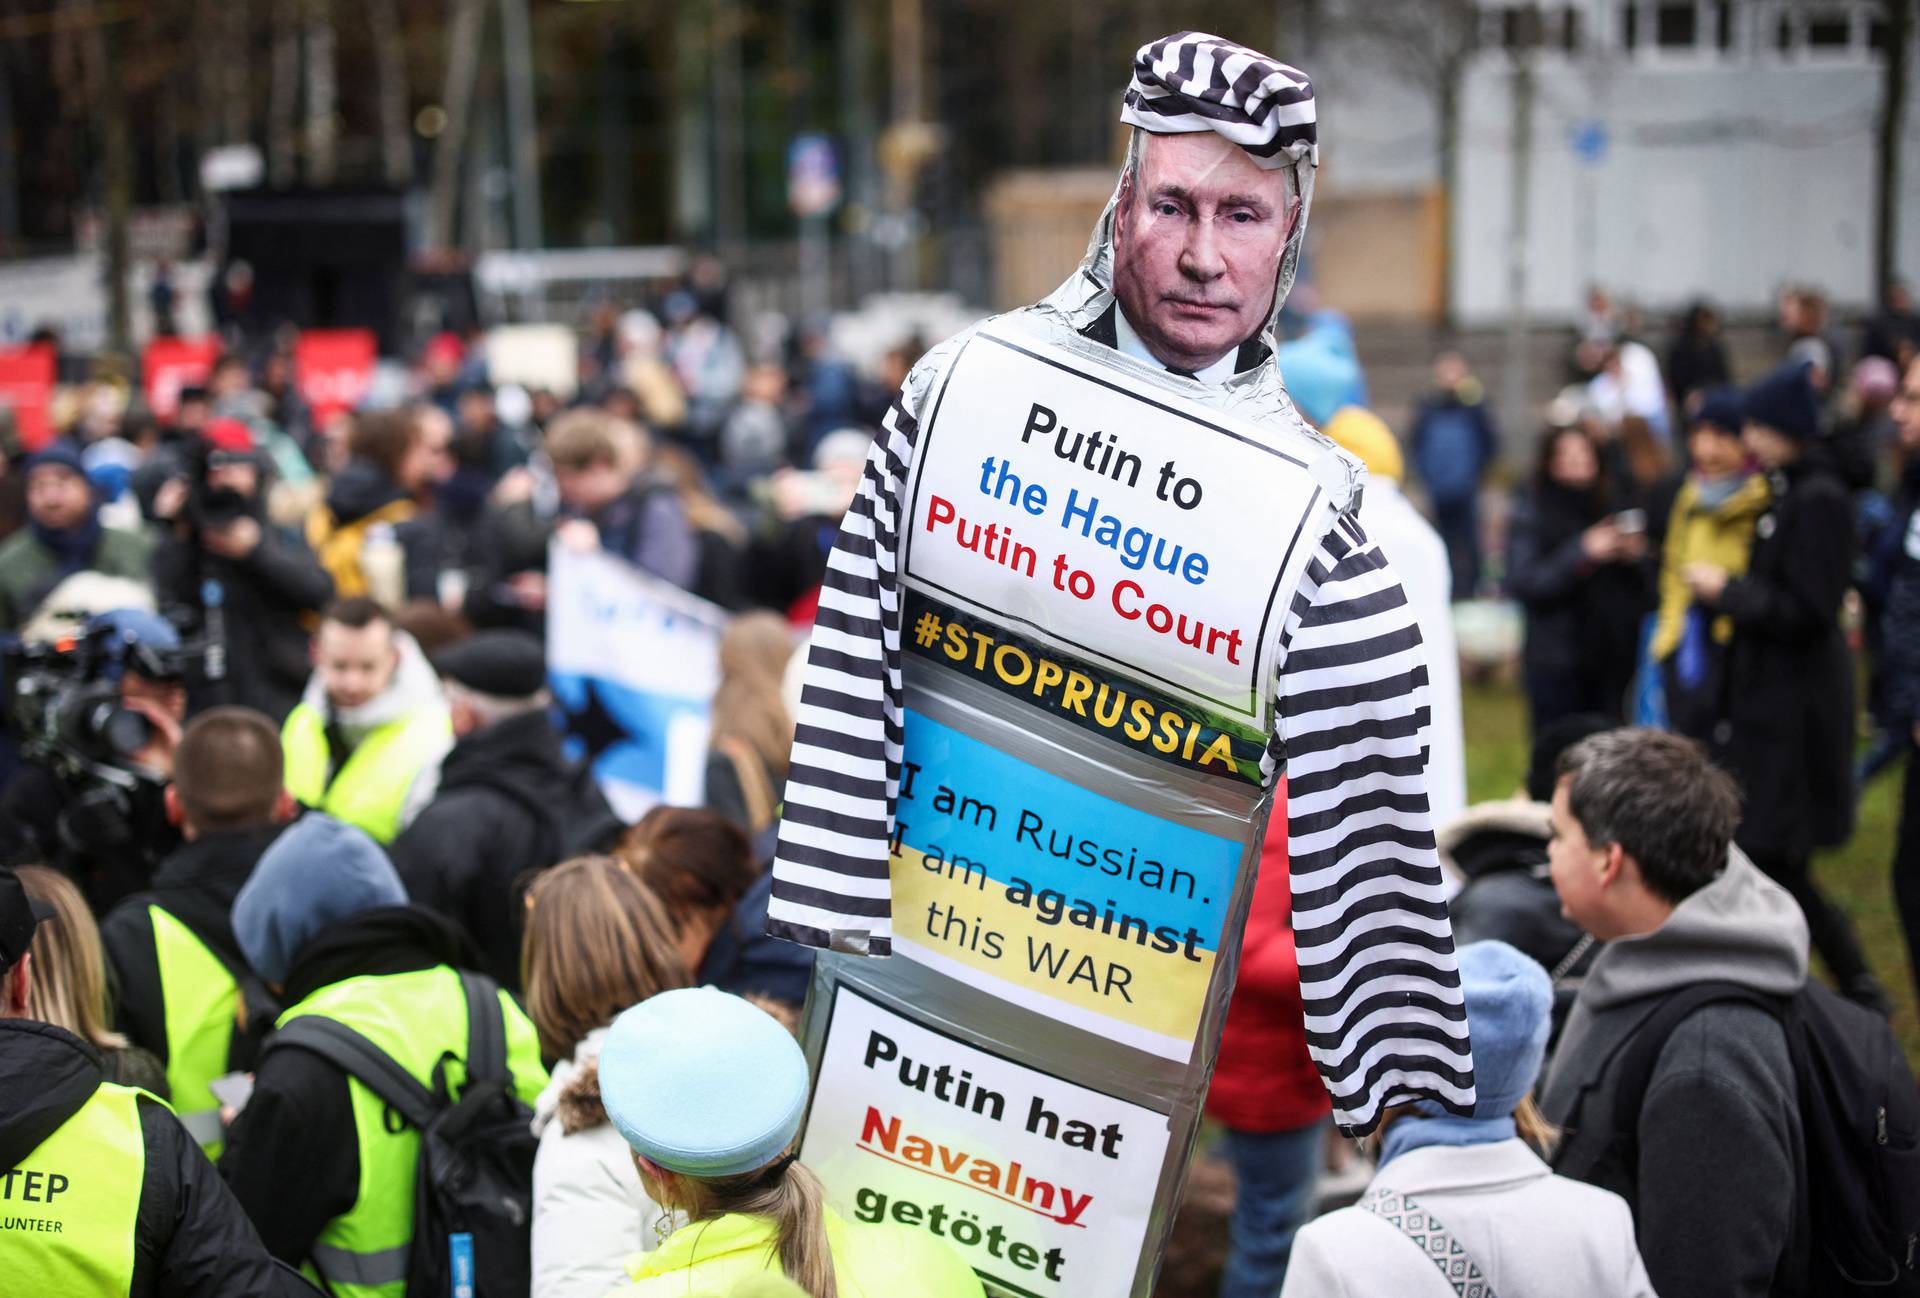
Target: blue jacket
744 959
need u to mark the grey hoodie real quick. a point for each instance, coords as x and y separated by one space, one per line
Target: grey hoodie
1719 1139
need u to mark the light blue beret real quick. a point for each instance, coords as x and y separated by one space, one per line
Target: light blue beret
1509 1007
703 1083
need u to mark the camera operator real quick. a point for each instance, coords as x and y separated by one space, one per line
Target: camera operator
225 575
97 718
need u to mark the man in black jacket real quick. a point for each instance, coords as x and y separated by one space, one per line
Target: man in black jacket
171 949
1787 731
509 802
1641 859
82 1204
224 572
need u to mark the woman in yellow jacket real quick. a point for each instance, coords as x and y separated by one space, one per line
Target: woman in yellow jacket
710 1091
1713 521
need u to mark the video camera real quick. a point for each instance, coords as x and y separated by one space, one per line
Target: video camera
64 704
209 508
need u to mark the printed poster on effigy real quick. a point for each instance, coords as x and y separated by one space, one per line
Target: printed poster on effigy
1095 579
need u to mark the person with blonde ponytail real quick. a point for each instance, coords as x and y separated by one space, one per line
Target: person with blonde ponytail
709 1092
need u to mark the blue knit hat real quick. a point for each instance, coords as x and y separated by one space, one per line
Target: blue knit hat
317 873
59 453
703 1083
1722 407
1785 400
1509 1005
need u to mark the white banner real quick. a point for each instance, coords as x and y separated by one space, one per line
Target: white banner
1044 1187
1132 528
534 356
634 662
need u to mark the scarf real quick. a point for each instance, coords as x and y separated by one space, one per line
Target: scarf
72 547
1715 492
1420 1131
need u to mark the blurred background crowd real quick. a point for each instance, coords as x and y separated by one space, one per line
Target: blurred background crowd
307 374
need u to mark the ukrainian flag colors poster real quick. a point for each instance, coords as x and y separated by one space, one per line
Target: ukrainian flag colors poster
1058 899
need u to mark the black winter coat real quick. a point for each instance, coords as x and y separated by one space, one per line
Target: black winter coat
509 804
264 598
1787 736
190 1237
299 1122
1892 591
196 885
1582 618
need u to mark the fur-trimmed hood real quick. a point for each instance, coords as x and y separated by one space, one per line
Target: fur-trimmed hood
1514 820
572 1095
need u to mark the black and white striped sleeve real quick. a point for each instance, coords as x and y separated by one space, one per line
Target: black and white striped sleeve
830 879
1384 1014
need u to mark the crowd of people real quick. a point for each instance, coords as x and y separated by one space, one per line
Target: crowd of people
285 792
1706 557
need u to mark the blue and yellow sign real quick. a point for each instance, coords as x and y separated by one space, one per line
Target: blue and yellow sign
1067 902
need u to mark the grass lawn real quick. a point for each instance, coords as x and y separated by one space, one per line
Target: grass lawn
1856 876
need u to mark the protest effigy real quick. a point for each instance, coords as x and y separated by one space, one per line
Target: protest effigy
1089 603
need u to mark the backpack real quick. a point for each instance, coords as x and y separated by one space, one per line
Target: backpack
473 1187
1858 1201
340 546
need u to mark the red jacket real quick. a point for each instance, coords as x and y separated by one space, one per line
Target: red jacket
1264 1080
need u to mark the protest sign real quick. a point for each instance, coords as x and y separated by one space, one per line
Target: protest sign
534 356
1122 526
333 368
1045 1187
1096 573
170 364
26 388
1054 897
633 662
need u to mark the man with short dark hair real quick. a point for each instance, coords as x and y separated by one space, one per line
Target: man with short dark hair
171 949
101 1189
1642 858
371 721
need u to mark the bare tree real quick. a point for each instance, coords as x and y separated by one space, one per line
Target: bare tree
390 68
322 86
1886 175
236 121
1431 42
465 30
283 93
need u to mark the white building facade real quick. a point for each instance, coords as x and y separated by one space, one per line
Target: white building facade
1704 148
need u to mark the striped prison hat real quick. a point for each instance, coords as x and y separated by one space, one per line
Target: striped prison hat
1192 81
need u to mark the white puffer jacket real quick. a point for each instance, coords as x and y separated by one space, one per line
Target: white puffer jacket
590 1212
